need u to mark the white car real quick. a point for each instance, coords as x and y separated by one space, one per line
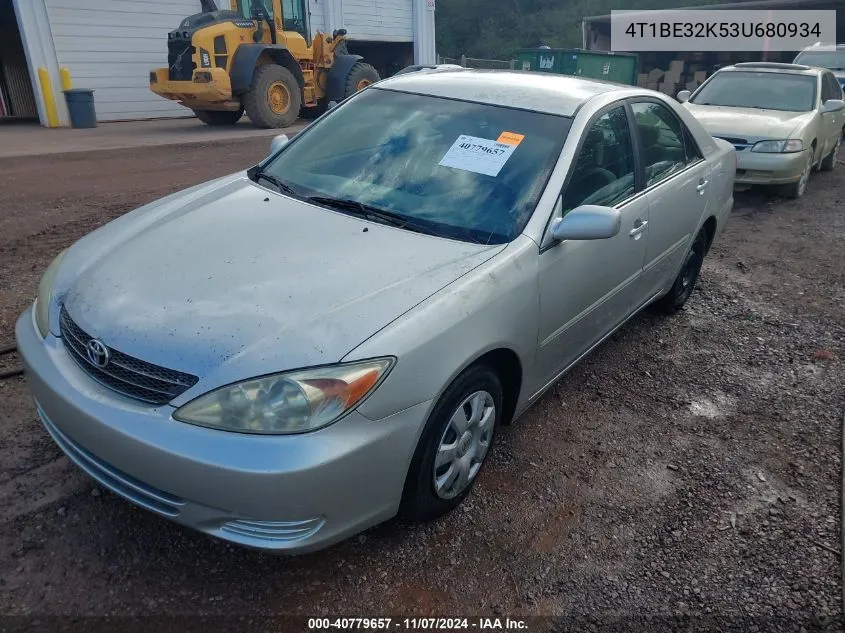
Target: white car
783 119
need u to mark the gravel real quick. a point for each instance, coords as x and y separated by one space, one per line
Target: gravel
686 476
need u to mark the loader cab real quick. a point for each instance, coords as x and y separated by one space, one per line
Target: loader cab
287 15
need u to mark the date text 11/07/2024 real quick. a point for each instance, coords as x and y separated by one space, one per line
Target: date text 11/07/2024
416 624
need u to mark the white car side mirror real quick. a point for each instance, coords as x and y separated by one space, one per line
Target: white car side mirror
833 105
587 222
684 95
278 143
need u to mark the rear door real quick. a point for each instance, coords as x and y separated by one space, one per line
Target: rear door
676 179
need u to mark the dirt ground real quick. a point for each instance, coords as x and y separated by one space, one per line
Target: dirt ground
688 471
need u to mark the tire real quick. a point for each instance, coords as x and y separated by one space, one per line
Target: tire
421 499
684 283
797 189
829 162
360 76
274 98
220 117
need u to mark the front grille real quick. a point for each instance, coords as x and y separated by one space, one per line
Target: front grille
739 143
115 480
180 59
125 374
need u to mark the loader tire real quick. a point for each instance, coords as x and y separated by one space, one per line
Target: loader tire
219 117
274 99
360 76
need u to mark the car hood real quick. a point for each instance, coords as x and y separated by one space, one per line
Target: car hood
749 123
232 281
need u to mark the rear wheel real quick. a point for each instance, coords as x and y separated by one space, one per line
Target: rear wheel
219 117
274 99
685 282
360 76
829 161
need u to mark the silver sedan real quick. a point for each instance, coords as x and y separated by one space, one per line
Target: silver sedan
288 355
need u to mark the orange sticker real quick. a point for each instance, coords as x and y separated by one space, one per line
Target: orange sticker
510 138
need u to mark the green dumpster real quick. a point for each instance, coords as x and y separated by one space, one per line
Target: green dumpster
617 67
545 60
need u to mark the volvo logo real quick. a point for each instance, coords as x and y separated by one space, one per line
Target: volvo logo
98 354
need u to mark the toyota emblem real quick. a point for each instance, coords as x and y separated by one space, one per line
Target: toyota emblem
98 354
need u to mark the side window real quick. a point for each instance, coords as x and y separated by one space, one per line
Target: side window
834 91
825 88
293 17
663 144
603 172
693 154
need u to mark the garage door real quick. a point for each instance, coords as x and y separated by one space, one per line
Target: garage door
111 46
379 20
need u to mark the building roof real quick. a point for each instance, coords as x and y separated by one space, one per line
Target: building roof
749 4
543 92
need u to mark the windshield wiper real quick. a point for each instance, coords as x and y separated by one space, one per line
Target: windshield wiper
278 184
370 212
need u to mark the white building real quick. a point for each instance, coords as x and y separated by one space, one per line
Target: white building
110 46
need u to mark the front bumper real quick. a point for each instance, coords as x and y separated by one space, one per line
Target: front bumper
216 93
759 168
287 493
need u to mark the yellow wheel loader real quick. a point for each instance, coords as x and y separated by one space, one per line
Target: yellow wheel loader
257 57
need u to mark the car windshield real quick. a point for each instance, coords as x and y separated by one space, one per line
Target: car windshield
768 91
457 169
833 60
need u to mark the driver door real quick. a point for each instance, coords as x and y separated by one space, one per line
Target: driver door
588 288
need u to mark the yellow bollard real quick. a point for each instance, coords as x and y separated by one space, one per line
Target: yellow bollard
49 99
64 73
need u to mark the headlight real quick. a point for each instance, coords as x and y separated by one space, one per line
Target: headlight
45 295
779 147
292 402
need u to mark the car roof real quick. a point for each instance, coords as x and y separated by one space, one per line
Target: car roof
773 67
542 92
824 47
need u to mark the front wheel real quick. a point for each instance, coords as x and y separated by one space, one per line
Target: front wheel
274 99
454 444
829 161
219 117
360 76
684 284
797 189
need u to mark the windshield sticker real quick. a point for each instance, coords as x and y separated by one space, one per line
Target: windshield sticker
478 155
510 138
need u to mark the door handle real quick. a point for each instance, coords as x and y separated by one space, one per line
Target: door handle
639 227
702 185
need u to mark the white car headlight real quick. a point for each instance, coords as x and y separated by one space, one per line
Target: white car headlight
287 403
45 295
779 147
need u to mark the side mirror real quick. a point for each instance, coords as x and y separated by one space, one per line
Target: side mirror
684 95
833 105
278 143
587 222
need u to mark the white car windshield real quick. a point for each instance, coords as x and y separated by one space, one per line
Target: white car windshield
832 60
787 92
457 169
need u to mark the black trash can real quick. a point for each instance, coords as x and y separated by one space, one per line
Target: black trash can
80 105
